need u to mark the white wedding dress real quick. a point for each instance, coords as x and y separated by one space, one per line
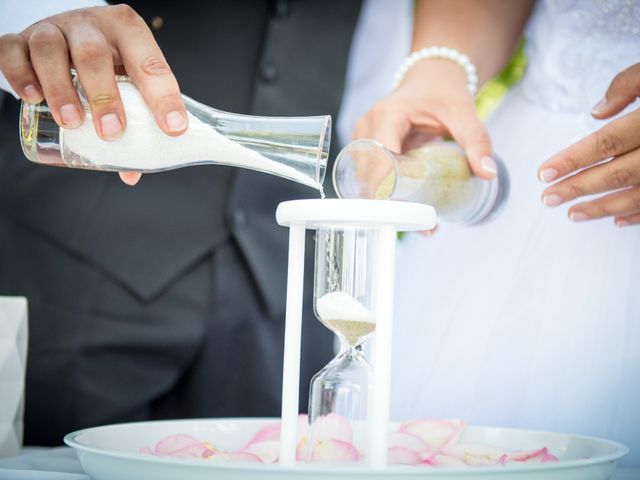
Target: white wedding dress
532 321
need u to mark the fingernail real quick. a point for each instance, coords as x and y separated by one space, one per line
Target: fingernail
110 126
600 107
552 200
70 115
579 217
33 94
176 121
548 175
130 178
623 223
488 164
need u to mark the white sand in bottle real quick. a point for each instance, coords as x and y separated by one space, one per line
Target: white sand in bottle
146 148
345 315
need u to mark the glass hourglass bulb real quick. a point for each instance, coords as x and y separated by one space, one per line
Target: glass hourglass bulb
340 391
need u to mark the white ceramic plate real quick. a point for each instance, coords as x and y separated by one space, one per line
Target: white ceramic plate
111 452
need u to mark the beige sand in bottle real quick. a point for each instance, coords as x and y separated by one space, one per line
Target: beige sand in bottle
437 174
352 330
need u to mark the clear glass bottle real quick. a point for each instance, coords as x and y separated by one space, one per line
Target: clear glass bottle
295 148
436 173
343 303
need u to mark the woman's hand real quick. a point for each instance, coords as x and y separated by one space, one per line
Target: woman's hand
97 42
618 141
433 100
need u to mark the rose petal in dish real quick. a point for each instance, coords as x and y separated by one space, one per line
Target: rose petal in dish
268 433
334 451
175 442
407 440
436 434
302 450
476 454
267 452
440 460
191 451
549 458
234 457
303 427
404 456
541 455
182 445
331 427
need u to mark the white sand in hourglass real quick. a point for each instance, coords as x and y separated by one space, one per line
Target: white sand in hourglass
343 314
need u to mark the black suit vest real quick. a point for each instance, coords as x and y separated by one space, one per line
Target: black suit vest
249 56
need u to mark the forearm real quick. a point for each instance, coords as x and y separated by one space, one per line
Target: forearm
486 31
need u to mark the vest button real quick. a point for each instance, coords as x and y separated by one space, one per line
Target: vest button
269 73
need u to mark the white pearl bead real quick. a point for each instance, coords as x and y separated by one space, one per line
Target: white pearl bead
438 52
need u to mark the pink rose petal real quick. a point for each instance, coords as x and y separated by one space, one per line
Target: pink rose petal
404 456
175 442
268 433
445 461
266 442
303 427
234 457
334 451
302 450
331 427
523 456
407 440
191 451
146 451
476 454
182 446
435 433
541 455
267 452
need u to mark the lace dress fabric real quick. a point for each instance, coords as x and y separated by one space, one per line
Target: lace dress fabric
576 47
532 321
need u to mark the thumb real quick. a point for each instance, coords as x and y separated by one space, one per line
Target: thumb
623 90
470 133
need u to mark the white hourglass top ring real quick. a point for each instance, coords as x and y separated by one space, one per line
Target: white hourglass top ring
317 213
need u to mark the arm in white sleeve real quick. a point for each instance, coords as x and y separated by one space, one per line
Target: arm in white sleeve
19 14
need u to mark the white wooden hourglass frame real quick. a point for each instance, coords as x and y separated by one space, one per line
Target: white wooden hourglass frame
387 218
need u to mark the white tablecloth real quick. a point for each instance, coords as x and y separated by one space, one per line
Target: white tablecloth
62 464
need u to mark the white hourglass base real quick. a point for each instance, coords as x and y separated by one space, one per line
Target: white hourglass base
317 213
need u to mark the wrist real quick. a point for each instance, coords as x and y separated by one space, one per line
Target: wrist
442 56
437 75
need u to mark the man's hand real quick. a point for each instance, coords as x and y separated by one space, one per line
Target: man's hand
97 42
619 141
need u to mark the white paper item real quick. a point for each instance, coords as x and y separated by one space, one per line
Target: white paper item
13 362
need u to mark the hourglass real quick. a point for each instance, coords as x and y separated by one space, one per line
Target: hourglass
353 297
343 301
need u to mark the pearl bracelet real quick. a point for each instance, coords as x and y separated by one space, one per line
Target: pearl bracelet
439 52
